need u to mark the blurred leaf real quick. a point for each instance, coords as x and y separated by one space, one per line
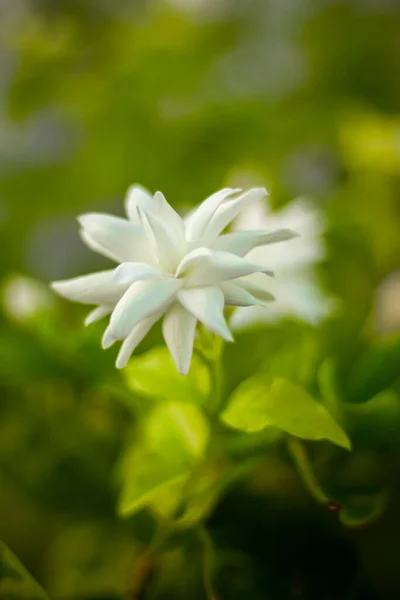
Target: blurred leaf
363 509
288 349
371 141
376 370
376 420
370 422
326 378
172 441
190 500
15 581
204 490
154 374
166 499
89 557
296 360
256 405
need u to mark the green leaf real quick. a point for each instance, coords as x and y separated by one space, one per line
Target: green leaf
364 509
372 422
326 378
88 557
173 440
204 490
256 404
377 369
375 422
15 581
154 374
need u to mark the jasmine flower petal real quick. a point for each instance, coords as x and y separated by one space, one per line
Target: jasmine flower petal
179 327
242 242
97 314
129 272
206 267
116 238
207 305
97 288
134 338
142 299
227 211
137 196
198 221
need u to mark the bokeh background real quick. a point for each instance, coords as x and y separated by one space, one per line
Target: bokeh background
188 96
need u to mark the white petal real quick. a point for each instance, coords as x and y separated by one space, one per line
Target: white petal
97 314
137 195
140 198
227 211
97 288
134 338
90 243
178 328
142 299
241 242
129 272
207 305
302 300
169 216
116 238
206 267
301 216
235 295
108 338
259 292
168 249
197 221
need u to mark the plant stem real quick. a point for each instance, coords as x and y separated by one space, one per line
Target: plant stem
144 565
211 357
300 458
215 385
208 562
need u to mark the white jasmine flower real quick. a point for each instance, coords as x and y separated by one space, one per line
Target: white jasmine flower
295 285
182 270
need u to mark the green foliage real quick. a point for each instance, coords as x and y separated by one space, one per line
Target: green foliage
376 370
15 581
154 375
257 404
172 441
88 558
364 509
188 97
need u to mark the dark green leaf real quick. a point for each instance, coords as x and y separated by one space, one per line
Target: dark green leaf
15 581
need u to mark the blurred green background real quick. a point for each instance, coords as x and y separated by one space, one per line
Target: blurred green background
188 96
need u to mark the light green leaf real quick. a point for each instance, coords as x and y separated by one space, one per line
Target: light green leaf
166 499
257 404
204 490
154 374
326 378
15 581
247 409
173 440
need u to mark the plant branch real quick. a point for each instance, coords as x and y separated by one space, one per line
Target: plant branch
208 562
300 458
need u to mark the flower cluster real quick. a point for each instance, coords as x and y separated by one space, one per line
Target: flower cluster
181 270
